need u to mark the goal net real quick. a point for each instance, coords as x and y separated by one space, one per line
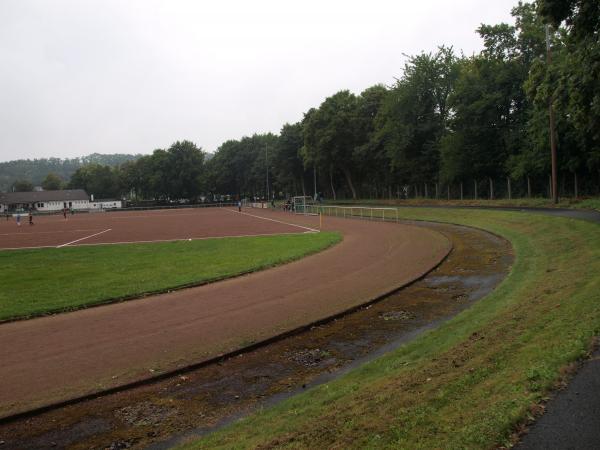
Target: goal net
303 204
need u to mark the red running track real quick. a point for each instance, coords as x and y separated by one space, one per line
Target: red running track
51 359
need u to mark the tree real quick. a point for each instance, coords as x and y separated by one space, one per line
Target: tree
239 167
97 180
489 136
288 167
184 170
330 138
22 186
369 153
573 81
52 182
415 114
37 169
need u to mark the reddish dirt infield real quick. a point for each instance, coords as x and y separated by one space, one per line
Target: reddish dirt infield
134 226
55 358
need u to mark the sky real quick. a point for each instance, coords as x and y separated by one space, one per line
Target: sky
130 76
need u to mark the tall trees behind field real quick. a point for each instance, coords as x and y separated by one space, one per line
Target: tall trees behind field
35 171
450 125
239 167
472 126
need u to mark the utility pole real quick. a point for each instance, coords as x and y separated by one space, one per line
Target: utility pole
551 114
267 167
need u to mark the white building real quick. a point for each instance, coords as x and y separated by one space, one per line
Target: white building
44 201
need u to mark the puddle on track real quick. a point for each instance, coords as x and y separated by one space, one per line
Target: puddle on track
164 413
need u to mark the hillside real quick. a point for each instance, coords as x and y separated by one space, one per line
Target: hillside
35 170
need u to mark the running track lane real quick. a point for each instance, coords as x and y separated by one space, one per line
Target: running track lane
56 358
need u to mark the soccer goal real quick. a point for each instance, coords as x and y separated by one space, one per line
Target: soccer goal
303 204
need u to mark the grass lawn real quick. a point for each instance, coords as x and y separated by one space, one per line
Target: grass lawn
473 380
41 281
534 202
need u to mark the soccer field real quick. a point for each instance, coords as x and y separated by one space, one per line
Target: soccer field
140 226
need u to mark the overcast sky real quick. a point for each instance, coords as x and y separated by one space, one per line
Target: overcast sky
130 76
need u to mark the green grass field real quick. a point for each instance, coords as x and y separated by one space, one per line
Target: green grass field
472 381
41 281
534 202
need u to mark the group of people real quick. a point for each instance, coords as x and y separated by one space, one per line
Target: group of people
30 216
18 218
288 205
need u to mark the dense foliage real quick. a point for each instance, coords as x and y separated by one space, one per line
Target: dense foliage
450 125
36 170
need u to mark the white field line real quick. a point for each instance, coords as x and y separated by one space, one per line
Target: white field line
48 232
28 248
203 238
152 216
312 230
83 238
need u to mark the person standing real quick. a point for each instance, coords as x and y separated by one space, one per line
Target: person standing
65 213
239 206
30 218
18 220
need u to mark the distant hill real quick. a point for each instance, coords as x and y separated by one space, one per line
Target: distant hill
35 170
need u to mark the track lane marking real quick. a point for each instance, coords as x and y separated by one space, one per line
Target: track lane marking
47 232
312 230
202 238
83 238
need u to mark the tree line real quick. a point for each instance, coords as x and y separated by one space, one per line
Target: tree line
451 125
24 174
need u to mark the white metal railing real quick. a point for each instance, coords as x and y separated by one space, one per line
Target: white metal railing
360 212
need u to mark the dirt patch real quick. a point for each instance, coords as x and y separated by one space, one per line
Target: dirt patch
207 398
311 357
397 315
144 414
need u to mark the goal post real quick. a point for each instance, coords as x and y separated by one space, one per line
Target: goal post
303 204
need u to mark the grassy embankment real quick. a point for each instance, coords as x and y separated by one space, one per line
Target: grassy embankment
472 381
535 202
43 281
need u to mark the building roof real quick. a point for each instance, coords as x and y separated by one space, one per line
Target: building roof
43 196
